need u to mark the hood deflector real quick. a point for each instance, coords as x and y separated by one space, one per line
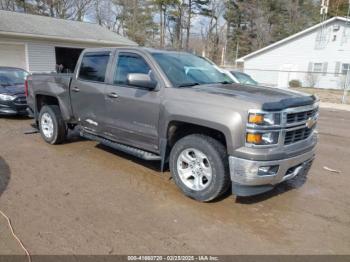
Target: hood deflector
289 102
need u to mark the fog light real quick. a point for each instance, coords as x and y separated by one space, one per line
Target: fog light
254 138
267 170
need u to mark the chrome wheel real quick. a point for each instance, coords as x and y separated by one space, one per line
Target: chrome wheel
46 124
194 169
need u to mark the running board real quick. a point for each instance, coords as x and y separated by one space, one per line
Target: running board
123 148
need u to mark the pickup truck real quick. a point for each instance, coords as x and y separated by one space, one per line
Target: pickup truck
177 108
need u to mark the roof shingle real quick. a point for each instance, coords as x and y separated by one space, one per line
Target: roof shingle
43 26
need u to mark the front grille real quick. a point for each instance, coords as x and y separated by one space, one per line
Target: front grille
300 116
20 101
297 135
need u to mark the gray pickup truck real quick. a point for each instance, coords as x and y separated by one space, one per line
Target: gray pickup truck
178 109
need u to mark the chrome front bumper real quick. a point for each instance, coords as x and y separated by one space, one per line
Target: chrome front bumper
245 172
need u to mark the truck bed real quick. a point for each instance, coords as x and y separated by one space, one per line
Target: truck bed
53 84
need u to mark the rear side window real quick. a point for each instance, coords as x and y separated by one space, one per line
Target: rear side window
129 63
93 66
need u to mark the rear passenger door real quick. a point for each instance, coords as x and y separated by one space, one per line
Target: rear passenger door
88 91
132 112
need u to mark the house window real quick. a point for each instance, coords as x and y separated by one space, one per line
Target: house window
318 67
345 69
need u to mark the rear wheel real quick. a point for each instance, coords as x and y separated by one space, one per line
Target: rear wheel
52 127
199 166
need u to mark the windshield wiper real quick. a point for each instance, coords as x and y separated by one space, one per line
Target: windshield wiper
189 84
225 82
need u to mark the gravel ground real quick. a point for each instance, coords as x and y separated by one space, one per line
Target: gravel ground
83 198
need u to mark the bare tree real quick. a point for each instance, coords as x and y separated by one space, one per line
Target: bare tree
81 7
211 29
312 79
8 5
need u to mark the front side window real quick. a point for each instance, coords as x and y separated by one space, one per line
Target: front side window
129 63
93 66
345 69
183 69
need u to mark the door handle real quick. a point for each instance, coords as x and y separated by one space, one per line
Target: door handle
75 89
113 95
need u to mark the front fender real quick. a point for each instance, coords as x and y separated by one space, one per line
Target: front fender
228 123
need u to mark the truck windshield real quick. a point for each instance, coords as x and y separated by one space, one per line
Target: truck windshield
12 77
244 78
185 70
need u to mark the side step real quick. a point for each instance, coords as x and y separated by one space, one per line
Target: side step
126 149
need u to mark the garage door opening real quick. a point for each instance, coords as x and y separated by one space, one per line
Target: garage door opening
66 59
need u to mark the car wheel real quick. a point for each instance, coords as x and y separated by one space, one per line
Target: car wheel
52 127
199 166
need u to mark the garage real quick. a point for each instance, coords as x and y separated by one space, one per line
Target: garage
41 44
13 55
67 58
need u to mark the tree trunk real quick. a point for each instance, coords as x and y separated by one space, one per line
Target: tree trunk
164 24
188 29
161 25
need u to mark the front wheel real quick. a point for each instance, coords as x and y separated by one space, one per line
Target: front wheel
199 166
52 127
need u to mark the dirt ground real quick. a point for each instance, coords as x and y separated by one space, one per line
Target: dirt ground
83 198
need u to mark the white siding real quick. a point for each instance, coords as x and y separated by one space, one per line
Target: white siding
36 56
12 55
297 54
41 58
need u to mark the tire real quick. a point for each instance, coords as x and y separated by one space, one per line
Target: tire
198 146
51 125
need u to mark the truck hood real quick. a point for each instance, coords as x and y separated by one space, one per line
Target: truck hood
12 90
270 99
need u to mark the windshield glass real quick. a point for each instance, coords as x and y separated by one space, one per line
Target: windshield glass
184 69
244 78
11 77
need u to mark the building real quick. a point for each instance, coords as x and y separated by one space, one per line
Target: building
39 43
318 57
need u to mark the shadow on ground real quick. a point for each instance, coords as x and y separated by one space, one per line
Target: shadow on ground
15 117
4 175
153 165
73 136
282 188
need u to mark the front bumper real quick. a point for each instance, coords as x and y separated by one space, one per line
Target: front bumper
247 182
15 107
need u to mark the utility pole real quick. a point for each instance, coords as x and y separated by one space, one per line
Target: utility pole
347 78
346 85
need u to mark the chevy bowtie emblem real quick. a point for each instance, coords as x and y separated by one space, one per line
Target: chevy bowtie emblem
310 123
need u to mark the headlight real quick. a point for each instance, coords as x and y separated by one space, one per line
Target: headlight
7 97
269 138
264 119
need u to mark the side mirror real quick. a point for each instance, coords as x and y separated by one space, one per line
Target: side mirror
141 80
